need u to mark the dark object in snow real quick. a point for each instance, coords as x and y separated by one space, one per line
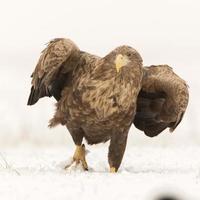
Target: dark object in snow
167 198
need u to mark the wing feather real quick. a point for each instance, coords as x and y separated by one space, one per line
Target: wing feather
57 59
162 100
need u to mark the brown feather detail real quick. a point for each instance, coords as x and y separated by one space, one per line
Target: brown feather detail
57 59
101 102
97 102
165 96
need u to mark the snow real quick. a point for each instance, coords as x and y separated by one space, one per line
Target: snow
38 173
32 157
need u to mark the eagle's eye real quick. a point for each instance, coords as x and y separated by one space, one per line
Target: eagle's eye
129 54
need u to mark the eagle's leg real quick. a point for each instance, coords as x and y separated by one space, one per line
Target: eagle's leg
79 157
116 150
79 154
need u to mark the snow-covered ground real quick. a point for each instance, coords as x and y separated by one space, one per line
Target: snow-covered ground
31 173
163 32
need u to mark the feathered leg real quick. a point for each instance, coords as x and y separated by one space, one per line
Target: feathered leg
116 150
79 154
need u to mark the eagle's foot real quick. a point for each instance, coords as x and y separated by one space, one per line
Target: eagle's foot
113 170
79 157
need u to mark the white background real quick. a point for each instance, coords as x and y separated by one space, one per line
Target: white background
31 155
164 32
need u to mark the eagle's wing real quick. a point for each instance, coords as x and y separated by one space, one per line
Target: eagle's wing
162 100
56 61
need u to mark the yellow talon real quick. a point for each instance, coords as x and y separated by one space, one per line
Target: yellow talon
79 157
113 170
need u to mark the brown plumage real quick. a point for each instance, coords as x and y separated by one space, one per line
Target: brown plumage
96 96
162 100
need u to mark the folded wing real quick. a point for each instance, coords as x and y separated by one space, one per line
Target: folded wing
53 69
162 100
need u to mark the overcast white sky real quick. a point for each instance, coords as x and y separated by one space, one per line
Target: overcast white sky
162 31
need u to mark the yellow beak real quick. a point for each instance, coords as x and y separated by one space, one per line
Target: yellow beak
121 61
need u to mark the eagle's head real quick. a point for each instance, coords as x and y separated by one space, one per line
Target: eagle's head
125 56
121 61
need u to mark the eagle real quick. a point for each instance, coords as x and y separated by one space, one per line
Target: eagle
162 101
96 96
99 98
